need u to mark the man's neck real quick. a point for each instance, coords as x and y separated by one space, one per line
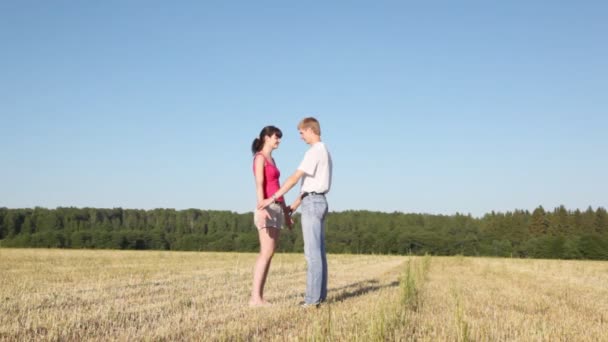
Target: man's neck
315 140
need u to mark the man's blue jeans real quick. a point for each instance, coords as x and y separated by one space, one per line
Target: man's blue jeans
314 211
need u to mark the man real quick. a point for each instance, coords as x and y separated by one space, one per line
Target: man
315 171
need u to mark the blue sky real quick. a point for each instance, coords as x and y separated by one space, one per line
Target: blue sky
436 106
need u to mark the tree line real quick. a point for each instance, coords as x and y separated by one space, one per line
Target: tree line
560 233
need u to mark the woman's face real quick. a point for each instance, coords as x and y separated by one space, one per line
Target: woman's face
273 141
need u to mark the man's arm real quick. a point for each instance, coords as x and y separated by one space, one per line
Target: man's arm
294 206
289 183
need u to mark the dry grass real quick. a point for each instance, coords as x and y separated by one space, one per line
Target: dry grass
128 295
492 299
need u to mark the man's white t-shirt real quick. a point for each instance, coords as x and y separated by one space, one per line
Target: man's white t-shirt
316 166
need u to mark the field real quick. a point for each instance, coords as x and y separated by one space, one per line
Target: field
153 295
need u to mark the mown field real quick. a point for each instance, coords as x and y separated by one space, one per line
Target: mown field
152 295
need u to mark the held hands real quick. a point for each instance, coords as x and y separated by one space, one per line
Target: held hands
288 219
264 203
287 211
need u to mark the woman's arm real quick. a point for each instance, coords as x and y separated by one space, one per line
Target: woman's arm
258 165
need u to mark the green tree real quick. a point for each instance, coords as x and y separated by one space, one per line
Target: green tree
601 222
588 221
577 222
592 247
3 230
571 248
539 224
12 223
560 222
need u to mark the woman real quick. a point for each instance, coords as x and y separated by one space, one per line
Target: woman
270 220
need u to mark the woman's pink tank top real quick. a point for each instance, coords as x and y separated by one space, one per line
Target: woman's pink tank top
271 178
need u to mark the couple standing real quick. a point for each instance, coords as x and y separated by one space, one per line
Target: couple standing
272 212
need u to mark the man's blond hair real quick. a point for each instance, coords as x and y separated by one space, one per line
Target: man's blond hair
311 123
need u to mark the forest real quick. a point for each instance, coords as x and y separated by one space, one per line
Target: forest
559 233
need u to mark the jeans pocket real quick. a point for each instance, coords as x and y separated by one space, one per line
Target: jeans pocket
320 208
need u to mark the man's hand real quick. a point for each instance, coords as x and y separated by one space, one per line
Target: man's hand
288 220
294 206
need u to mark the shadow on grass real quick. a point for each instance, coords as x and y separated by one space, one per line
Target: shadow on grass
353 290
360 289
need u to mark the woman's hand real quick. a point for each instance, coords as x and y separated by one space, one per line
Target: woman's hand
264 203
262 217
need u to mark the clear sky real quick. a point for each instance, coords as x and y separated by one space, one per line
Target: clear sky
427 106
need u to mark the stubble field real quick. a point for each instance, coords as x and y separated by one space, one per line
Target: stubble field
152 295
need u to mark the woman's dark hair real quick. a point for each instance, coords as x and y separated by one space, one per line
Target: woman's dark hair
269 131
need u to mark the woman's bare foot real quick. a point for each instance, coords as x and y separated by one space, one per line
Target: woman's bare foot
258 303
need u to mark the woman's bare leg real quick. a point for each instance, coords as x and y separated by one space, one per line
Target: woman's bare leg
269 238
